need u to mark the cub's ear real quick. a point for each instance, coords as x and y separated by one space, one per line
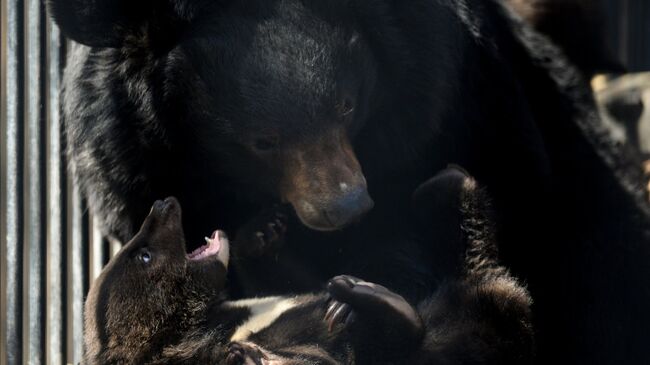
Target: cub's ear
107 23
99 23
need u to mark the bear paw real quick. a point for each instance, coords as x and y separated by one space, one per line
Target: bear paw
369 309
242 353
262 235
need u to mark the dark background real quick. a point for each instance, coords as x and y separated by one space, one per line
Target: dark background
628 30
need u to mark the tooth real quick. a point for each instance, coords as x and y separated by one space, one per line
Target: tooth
207 239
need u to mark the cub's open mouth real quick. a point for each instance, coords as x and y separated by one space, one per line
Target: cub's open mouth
216 246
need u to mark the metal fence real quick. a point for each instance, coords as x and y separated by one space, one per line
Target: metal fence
49 250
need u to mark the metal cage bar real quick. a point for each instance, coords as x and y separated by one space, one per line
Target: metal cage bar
55 251
33 187
44 223
12 212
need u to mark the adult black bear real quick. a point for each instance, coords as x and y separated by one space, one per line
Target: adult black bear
155 304
233 106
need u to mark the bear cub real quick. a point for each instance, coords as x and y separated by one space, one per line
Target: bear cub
156 304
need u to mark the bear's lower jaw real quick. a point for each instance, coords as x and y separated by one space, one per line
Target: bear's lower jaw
325 223
335 216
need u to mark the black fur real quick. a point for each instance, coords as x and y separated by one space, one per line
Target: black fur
579 29
171 309
220 107
136 308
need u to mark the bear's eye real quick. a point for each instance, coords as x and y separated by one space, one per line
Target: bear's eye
144 256
346 107
264 144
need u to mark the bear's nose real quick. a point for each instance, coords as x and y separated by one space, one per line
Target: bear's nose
348 208
166 209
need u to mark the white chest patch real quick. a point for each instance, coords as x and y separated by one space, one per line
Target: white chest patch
264 311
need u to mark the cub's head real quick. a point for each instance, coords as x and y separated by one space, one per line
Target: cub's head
152 290
272 92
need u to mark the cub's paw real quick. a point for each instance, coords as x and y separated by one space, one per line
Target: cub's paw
262 235
362 306
243 353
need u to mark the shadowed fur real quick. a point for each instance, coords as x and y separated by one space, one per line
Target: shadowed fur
577 26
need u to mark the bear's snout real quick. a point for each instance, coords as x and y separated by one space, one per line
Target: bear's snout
327 188
334 212
348 208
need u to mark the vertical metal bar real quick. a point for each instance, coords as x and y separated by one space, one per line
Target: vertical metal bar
76 280
114 247
3 178
96 247
55 333
12 154
33 264
4 18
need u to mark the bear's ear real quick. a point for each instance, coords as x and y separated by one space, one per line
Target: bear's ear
98 23
107 23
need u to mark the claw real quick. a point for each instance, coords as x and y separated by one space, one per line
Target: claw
262 235
232 359
272 233
260 238
246 353
374 302
281 225
235 354
331 309
342 312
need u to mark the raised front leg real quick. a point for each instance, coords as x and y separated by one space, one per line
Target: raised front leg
481 313
263 235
